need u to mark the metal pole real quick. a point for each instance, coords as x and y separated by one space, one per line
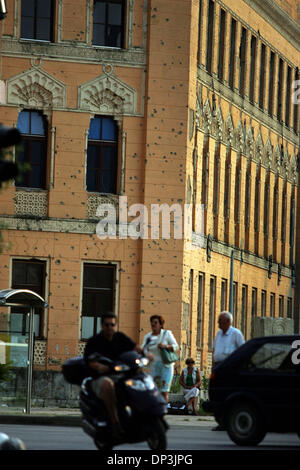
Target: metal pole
231 283
30 359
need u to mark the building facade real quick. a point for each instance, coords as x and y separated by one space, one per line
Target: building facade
132 105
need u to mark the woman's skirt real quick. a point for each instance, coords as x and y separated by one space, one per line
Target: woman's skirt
162 375
191 393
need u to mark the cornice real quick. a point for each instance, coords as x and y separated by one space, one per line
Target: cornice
278 18
73 53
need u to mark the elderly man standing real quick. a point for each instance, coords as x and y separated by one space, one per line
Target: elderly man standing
228 339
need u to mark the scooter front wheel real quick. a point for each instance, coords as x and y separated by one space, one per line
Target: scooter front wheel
104 447
157 439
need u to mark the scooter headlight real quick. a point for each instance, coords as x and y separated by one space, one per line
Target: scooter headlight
141 385
121 368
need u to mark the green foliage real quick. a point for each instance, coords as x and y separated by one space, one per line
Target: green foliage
204 383
175 387
5 372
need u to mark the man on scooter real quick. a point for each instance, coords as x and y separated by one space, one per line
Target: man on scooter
109 343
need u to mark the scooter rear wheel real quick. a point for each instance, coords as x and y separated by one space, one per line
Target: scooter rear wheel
157 439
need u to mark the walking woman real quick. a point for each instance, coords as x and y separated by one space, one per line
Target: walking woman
158 339
190 381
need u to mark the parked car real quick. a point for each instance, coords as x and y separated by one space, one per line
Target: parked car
257 389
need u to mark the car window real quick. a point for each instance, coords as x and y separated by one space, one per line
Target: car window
274 356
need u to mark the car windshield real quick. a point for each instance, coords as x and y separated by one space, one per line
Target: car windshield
275 356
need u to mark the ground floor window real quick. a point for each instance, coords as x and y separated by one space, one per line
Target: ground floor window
97 296
28 274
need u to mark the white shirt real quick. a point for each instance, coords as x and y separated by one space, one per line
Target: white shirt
166 337
226 343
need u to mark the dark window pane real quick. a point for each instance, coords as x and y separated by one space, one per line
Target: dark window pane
99 12
37 124
28 7
27 27
98 277
23 122
43 29
44 8
108 158
16 322
99 35
108 129
93 157
115 14
107 182
37 153
94 131
114 36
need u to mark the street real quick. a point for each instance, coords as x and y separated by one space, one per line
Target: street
179 438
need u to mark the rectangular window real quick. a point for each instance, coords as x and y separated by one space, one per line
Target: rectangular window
37 19
288 96
210 36
235 302
212 302
244 308
28 275
33 128
200 309
232 53
254 302
279 90
199 32
263 303
296 105
221 44
271 83
108 23
281 306
98 296
262 78
292 229
223 295
272 304
102 156
242 55
289 307
252 69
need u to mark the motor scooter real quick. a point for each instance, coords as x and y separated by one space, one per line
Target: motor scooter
141 406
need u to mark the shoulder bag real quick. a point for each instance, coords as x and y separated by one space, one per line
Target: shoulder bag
167 356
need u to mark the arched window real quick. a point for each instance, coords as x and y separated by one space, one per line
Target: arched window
32 126
102 156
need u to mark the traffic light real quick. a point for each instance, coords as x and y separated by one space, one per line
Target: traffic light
9 136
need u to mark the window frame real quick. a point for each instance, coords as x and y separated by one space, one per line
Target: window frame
100 144
40 312
122 27
28 140
86 289
36 19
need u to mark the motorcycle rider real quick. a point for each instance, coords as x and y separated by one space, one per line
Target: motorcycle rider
109 343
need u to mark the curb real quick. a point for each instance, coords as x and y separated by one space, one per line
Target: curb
75 420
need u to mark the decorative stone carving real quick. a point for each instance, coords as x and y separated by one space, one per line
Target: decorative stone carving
268 155
39 352
219 124
229 131
259 149
107 94
94 200
293 174
207 117
31 203
36 88
239 138
198 112
250 143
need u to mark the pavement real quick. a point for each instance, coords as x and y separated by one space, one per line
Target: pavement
72 417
